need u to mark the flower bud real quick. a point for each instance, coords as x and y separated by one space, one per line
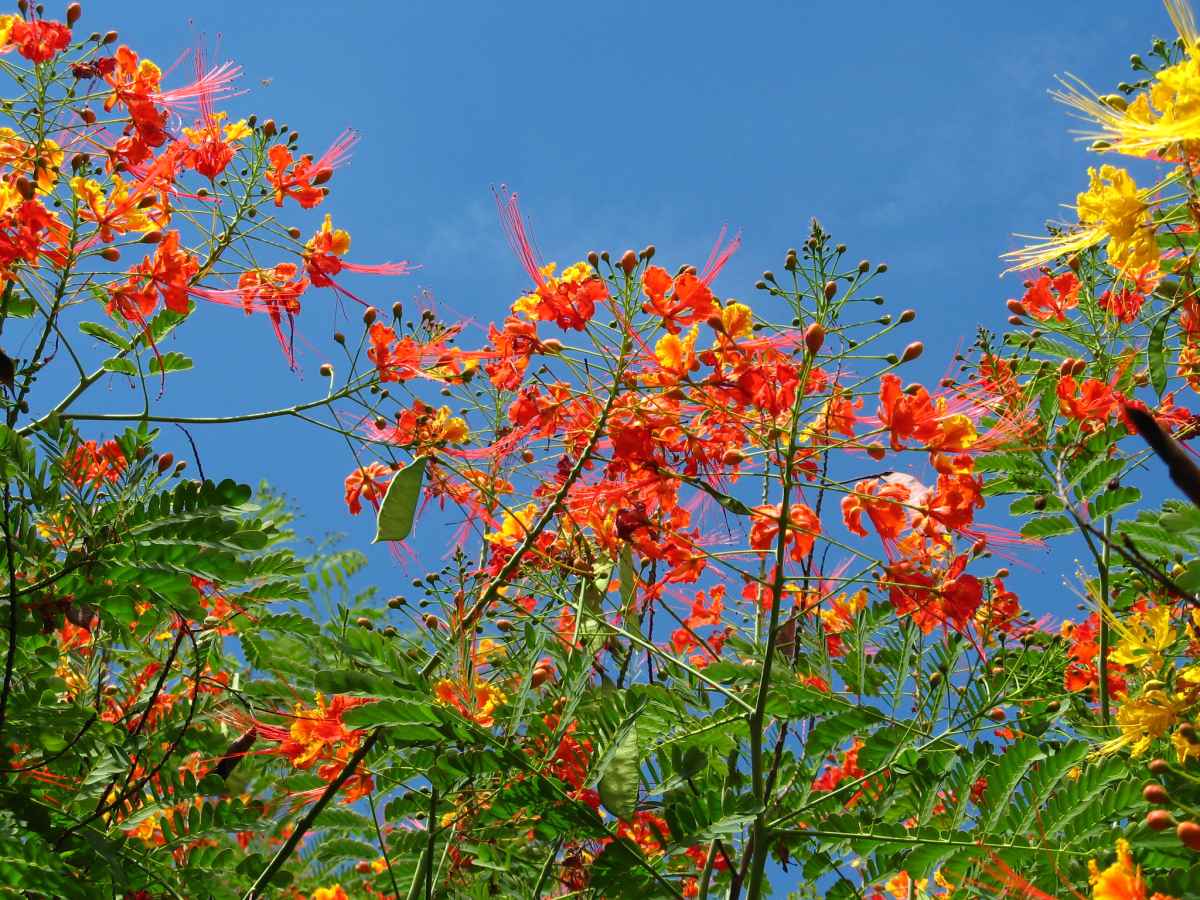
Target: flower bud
716 323
648 252
628 262
364 622
111 254
269 129
180 466
542 674
165 462
74 11
552 346
396 602
1016 307
876 451
814 337
1189 835
151 237
294 233
326 370
1039 502
864 266
78 161
912 351
369 315
881 268
89 117
323 176
397 311
831 288
25 187
1188 732
110 37
527 456
996 714
1158 766
1155 793
907 316
733 457
1080 367
1159 820
431 621
1135 62
339 338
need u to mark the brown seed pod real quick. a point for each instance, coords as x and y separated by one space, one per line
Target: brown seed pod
1155 793
1159 820
628 263
1189 835
814 337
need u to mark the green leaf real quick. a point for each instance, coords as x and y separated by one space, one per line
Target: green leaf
1111 501
621 776
170 362
1047 526
1156 357
120 365
107 335
399 506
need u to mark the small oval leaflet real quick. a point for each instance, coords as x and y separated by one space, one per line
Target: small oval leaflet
399 507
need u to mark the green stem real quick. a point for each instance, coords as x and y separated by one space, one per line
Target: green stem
1105 636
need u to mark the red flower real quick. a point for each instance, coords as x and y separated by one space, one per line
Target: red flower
1051 297
803 528
39 40
370 481
646 830
932 598
1091 403
94 464
295 178
1125 304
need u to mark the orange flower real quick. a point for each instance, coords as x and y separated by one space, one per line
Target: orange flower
1122 880
295 178
38 40
370 481
803 528
1051 297
646 830
168 273
478 702
1091 403
94 464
